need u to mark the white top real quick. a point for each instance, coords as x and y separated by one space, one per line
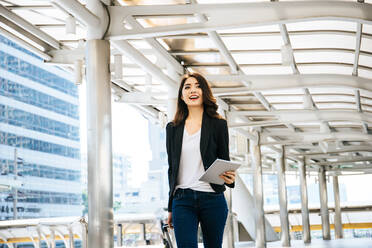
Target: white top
191 164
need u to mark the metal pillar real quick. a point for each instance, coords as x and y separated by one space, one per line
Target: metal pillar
119 235
338 218
326 230
229 233
228 239
84 233
143 231
99 138
304 203
71 238
40 240
52 239
284 222
258 191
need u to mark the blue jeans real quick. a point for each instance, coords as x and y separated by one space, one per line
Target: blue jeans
190 207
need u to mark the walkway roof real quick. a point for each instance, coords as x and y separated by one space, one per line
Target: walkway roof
300 72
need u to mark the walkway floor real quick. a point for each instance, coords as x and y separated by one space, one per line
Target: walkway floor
339 243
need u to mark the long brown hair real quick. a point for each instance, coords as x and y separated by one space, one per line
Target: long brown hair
209 101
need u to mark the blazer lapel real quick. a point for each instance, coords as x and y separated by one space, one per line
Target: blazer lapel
205 133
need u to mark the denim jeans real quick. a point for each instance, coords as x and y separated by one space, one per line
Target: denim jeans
190 207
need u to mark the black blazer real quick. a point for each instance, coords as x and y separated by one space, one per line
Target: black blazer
214 143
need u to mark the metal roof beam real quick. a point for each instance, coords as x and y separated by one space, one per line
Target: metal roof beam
137 57
214 36
358 39
242 15
264 51
333 156
260 34
341 150
286 113
311 135
278 65
359 108
342 161
310 116
24 44
287 42
311 140
276 82
22 23
159 50
79 11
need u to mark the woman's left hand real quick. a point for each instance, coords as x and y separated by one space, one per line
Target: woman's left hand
228 177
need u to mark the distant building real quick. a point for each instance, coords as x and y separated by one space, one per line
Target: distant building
39 137
152 195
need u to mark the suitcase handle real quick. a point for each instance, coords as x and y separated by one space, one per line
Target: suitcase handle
164 228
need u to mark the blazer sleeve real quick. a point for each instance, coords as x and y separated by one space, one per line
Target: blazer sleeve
223 151
169 153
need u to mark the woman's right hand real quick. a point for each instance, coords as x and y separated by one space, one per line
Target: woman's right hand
169 220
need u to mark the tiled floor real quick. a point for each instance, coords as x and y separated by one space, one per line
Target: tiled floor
339 243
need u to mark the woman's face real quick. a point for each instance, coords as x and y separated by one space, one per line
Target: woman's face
192 94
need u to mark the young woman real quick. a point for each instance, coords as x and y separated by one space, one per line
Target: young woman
196 137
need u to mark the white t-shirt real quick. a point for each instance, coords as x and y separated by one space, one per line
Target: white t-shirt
191 164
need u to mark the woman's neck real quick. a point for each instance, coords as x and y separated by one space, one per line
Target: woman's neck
195 114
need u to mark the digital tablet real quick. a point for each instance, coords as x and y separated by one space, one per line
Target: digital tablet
219 166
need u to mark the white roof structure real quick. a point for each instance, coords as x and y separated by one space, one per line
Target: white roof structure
300 71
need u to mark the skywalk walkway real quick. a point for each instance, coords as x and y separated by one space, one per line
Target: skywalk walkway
338 243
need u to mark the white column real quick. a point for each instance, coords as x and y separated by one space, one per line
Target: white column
284 222
324 204
228 235
119 235
255 150
99 138
99 135
52 239
142 231
71 237
306 236
172 94
338 218
84 233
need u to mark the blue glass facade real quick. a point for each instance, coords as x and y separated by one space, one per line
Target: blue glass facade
33 97
38 145
20 118
17 135
36 170
17 66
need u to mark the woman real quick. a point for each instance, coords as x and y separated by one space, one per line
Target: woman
196 137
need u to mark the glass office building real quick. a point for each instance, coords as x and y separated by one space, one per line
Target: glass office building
39 137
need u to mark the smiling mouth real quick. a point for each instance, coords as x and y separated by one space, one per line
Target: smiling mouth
194 97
